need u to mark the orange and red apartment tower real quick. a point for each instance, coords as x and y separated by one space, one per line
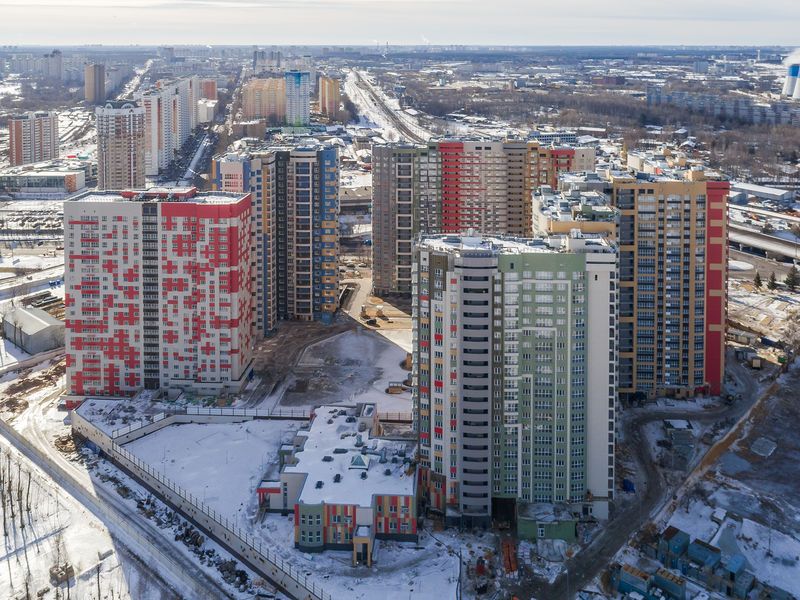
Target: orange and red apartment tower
158 292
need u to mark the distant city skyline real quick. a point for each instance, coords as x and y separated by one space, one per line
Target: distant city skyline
402 22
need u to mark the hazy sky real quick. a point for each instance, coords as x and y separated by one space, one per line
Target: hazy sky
358 22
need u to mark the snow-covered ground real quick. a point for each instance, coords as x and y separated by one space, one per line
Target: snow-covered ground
408 116
695 519
220 463
10 354
58 529
355 178
355 366
768 312
223 463
369 115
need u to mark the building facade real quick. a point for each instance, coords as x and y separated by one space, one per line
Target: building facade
673 239
120 146
32 137
295 191
158 292
515 358
170 117
265 99
298 98
330 97
94 82
453 186
673 273
346 485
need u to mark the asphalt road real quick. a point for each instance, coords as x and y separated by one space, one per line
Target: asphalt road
764 266
592 560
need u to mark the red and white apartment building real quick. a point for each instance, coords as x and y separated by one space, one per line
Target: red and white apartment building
158 292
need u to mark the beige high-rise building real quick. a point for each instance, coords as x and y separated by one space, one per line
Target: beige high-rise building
330 97
265 99
120 146
33 137
95 83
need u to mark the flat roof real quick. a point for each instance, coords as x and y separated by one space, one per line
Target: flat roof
177 195
456 244
333 436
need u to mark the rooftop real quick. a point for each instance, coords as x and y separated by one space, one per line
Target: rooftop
190 195
458 244
32 320
334 446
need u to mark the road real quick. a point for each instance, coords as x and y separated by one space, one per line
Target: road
22 286
202 147
592 560
126 527
764 266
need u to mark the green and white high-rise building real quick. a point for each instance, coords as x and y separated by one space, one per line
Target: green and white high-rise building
515 360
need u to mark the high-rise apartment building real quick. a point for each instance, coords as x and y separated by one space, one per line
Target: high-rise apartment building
120 146
330 97
673 272
298 98
33 137
208 89
170 117
673 275
515 354
265 99
94 83
452 186
295 192
158 292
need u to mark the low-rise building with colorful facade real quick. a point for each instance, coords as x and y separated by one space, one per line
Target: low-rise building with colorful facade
346 485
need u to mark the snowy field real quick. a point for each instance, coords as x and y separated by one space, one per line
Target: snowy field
355 366
221 463
10 354
58 530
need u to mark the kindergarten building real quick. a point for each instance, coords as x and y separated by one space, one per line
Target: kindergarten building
346 485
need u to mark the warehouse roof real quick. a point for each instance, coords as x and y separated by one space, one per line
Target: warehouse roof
32 320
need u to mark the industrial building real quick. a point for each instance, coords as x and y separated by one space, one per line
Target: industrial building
33 329
158 292
515 361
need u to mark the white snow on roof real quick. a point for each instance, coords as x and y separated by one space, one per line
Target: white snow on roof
330 430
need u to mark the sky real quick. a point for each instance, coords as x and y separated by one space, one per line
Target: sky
365 22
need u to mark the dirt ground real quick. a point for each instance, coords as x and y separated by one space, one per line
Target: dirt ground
276 355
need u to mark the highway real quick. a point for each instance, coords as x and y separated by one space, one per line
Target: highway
746 237
133 531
